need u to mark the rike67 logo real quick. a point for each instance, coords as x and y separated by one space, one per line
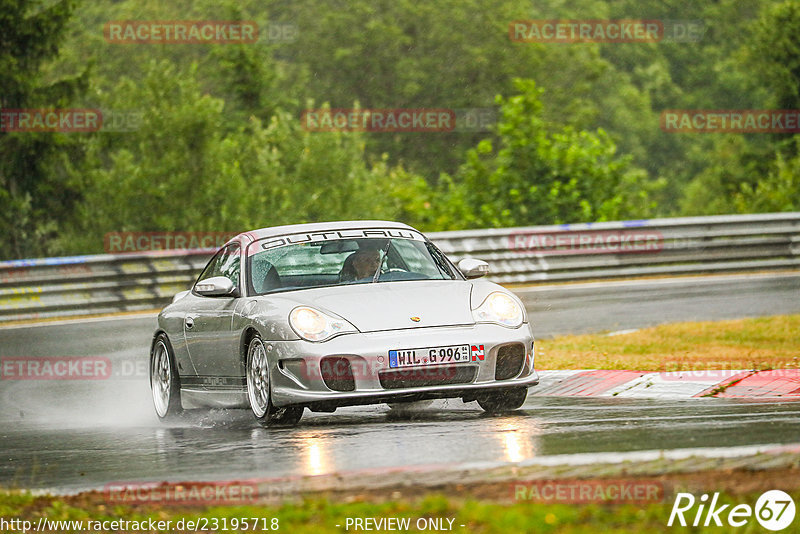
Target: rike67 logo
774 510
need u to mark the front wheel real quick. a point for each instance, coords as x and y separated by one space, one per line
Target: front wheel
504 400
258 389
164 380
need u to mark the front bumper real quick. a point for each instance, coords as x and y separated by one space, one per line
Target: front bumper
297 378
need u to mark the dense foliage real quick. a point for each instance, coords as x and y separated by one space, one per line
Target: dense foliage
218 144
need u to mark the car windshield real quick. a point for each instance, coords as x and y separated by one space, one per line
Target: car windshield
345 262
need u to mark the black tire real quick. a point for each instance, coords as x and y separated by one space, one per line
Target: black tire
165 383
503 400
259 389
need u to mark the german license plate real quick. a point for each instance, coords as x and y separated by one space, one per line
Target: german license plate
429 356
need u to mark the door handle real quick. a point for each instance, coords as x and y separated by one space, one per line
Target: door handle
189 322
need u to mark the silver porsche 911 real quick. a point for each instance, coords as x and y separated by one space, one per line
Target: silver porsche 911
325 315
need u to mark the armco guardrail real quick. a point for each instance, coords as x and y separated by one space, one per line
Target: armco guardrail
688 245
80 285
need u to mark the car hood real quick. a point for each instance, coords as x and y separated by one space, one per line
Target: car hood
391 305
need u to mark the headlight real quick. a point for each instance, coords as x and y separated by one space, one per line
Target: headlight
314 325
499 308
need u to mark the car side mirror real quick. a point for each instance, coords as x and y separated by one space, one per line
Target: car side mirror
473 268
216 286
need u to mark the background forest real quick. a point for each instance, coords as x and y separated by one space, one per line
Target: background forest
215 141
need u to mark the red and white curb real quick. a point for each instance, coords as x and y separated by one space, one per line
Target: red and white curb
779 383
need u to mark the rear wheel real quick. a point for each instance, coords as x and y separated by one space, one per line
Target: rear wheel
504 400
259 392
164 380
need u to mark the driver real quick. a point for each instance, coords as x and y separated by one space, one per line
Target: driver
366 262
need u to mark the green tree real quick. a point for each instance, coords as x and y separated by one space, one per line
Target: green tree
748 172
544 174
451 54
776 52
34 193
182 170
779 191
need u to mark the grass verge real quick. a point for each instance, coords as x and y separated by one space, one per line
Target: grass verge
760 343
319 515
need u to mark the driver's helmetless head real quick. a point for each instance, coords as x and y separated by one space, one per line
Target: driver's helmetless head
366 262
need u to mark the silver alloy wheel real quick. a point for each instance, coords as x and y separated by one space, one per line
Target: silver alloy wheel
161 378
257 378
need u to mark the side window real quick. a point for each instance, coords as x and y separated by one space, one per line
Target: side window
226 263
413 258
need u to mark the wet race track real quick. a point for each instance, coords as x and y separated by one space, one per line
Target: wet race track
69 435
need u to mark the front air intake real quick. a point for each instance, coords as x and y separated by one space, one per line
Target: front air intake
427 376
337 373
510 359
